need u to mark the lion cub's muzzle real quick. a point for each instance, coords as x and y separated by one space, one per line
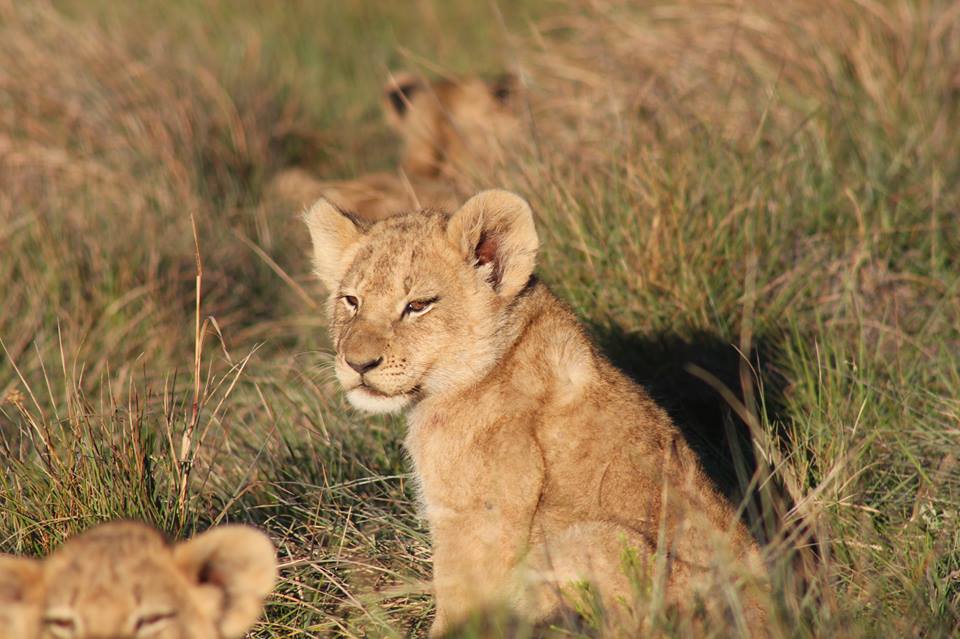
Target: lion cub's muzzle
362 349
375 381
364 363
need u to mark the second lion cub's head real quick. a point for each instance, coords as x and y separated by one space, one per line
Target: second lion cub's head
453 127
418 302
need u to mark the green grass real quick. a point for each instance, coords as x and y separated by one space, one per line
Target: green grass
779 178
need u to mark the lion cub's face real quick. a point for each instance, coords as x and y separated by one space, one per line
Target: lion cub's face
416 301
123 581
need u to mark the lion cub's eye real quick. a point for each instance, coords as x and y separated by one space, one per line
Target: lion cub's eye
351 302
418 307
152 622
60 626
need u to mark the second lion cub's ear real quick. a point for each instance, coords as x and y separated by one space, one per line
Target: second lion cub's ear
333 232
398 93
21 592
494 231
233 569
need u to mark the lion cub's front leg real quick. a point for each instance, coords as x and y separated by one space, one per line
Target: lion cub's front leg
473 566
480 502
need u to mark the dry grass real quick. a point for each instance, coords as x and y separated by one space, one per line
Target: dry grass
775 177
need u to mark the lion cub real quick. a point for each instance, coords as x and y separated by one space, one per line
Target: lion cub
537 460
453 128
123 580
450 130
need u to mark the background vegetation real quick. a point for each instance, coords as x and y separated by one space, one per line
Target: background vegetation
754 206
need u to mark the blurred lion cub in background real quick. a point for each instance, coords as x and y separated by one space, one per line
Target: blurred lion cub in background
537 460
122 580
451 129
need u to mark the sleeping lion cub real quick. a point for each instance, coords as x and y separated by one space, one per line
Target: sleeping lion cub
122 580
449 129
538 462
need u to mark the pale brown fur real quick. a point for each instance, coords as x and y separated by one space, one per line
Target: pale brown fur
122 580
450 130
371 197
453 128
537 460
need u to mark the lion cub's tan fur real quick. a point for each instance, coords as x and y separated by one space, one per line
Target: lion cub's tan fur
537 460
453 128
122 580
371 197
449 129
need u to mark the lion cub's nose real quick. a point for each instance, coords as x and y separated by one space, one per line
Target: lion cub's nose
363 367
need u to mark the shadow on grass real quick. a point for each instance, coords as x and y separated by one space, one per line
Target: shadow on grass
662 363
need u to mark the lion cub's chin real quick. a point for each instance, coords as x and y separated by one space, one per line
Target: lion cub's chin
372 402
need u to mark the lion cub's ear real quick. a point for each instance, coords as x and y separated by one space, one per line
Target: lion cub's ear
398 93
333 232
21 593
495 233
504 87
233 568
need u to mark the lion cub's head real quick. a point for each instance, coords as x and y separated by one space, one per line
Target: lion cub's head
452 127
122 580
418 302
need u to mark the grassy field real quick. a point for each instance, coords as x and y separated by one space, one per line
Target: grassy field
754 206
